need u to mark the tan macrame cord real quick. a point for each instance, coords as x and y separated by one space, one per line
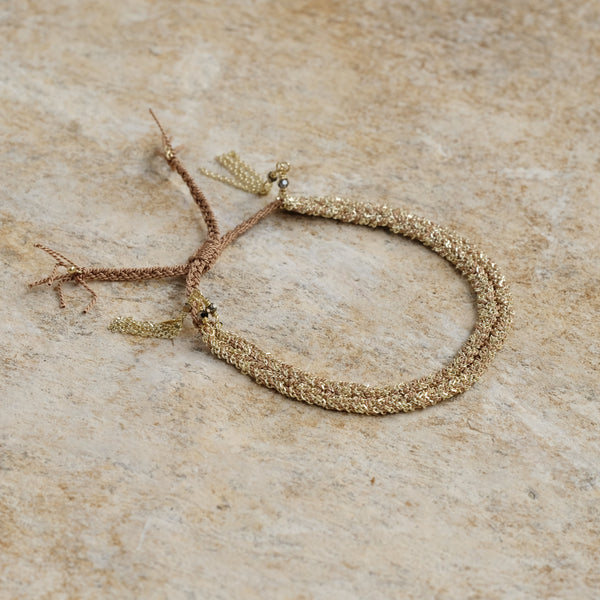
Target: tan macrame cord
493 299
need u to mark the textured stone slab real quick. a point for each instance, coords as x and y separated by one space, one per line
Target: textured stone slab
138 468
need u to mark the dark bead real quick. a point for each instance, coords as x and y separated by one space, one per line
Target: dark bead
272 176
204 314
283 183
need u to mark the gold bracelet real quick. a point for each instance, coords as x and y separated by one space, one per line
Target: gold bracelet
494 311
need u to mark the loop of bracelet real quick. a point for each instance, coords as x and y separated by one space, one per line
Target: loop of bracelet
494 310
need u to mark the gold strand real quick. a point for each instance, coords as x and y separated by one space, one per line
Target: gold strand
243 176
165 329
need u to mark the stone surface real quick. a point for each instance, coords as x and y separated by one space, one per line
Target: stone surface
134 468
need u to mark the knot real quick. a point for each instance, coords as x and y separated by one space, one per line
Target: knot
65 270
206 256
168 151
73 272
200 262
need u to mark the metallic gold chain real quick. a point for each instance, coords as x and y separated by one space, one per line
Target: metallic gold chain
243 176
494 320
493 323
166 329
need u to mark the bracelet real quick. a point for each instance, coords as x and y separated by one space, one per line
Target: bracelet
494 311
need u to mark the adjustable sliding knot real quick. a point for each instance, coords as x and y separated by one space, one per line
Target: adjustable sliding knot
201 311
207 254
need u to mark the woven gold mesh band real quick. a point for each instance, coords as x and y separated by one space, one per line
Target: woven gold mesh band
494 319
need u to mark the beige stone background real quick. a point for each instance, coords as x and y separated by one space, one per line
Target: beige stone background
135 468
